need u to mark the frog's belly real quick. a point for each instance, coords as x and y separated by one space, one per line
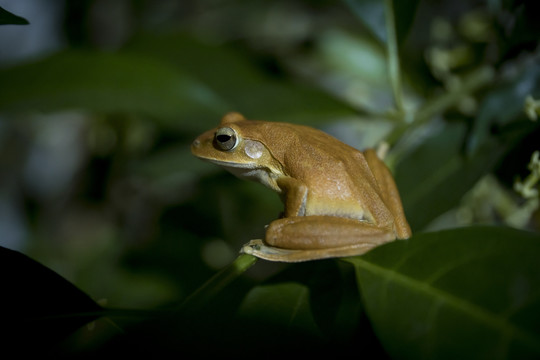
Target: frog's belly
345 209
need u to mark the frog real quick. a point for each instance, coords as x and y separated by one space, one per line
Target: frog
338 201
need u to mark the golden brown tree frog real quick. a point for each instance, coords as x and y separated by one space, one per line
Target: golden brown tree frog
339 201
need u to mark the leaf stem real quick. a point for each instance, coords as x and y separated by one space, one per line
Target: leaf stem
393 58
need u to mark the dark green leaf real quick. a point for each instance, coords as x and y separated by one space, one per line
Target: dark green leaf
504 103
158 79
242 83
284 306
39 307
170 171
316 298
312 307
109 82
524 31
371 13
7 18
218 282
463 293
405 12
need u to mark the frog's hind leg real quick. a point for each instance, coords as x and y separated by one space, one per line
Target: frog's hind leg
390 193
303 238
261 250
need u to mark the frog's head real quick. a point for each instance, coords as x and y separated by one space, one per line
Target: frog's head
235 146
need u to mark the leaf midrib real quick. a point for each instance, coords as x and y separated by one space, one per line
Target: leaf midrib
493 320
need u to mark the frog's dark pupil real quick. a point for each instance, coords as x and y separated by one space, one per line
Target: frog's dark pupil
223 138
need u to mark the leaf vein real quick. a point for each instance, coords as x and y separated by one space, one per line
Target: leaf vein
500 323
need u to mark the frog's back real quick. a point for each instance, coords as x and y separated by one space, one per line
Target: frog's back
337 175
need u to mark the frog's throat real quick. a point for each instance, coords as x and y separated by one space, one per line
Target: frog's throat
251 171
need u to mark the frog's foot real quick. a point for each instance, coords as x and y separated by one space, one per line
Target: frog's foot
261 250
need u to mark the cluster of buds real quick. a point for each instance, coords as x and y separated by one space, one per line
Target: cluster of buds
532 108
527 188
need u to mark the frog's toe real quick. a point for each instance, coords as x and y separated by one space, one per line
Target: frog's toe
261 250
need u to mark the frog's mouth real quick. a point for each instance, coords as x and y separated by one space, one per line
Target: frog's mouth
231 164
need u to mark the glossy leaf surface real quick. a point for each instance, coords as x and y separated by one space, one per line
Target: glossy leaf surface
108 83
468 292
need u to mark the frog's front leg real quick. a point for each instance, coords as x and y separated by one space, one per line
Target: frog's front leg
294 196
302 238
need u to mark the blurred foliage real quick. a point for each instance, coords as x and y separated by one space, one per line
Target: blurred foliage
98 183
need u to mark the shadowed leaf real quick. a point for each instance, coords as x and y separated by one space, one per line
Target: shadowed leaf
39 307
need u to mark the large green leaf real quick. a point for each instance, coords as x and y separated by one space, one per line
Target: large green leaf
109 82
39 308
184 81
462 293
244 84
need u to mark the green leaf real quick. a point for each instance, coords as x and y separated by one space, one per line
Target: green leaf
154 77
371 13
314 298
405 14
285 306
242 82
462 293
389 24
310 307
39 307
109 82
170 171
203 295
7 18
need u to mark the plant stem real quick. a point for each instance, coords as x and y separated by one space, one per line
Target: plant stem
204 294
393 58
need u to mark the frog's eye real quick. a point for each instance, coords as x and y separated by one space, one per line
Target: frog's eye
226 139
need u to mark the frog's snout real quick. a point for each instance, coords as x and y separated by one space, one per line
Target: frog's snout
196 146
